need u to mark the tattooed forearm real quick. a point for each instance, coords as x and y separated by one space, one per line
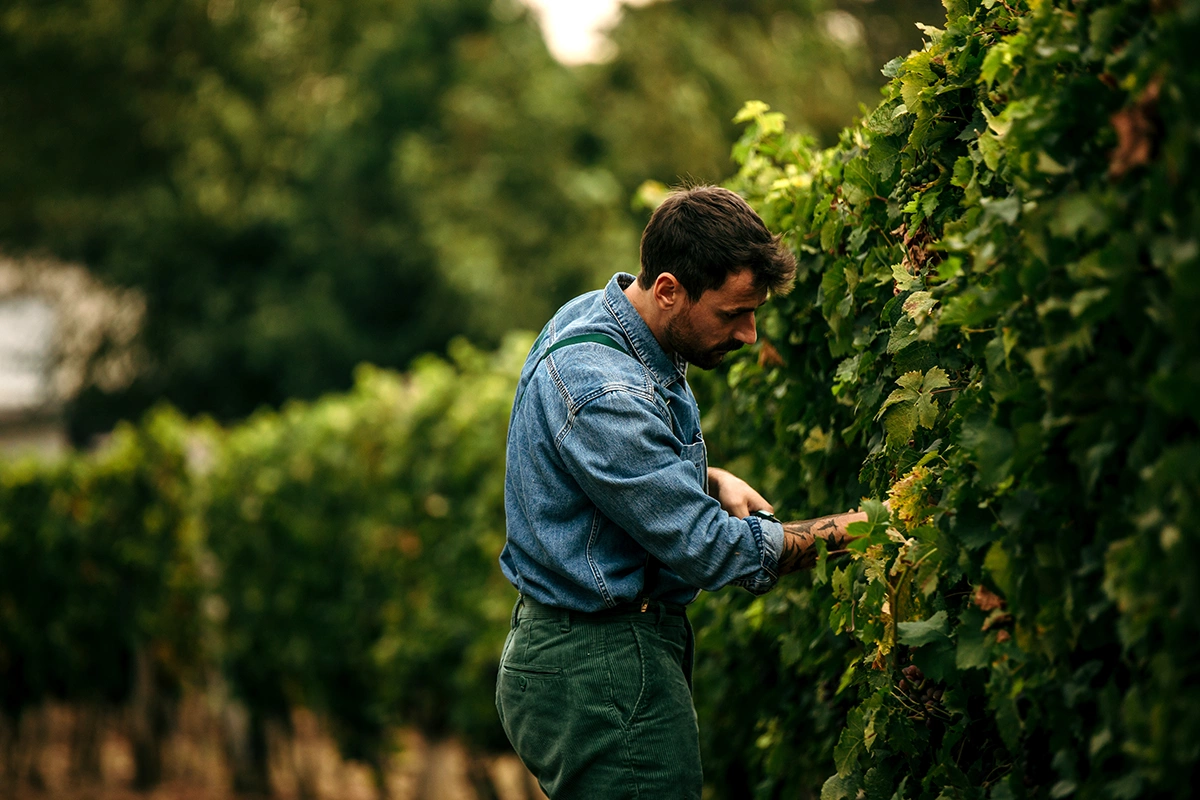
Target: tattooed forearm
799 538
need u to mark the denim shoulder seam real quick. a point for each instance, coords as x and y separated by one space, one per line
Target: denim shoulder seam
563 390
569 423
561 375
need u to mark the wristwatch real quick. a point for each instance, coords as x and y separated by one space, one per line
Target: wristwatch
767 515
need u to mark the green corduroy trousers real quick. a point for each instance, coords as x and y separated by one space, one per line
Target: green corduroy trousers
599 706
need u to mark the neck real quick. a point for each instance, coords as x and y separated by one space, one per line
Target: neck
654 317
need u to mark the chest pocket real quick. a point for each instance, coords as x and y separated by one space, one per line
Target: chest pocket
696 453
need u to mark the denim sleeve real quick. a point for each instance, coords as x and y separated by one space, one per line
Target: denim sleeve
626 459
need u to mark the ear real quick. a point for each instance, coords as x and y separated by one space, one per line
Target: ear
667 291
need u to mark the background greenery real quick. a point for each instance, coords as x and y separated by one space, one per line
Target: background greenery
995 326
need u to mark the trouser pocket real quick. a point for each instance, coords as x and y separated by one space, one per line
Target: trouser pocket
625 657
530 697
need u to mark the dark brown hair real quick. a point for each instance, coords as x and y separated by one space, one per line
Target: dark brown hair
701 234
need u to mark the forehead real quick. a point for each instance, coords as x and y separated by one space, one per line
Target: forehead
738 291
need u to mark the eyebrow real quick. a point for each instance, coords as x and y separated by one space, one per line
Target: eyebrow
744 309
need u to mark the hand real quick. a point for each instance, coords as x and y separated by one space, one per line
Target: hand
736 496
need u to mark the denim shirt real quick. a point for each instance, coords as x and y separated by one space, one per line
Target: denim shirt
606 465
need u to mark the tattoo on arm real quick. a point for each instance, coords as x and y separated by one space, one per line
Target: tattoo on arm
799 538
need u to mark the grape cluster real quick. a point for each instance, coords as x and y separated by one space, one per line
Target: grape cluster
920 696
918 177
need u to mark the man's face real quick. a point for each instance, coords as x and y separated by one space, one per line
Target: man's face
721 321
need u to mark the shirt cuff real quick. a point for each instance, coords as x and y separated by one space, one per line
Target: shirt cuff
768 536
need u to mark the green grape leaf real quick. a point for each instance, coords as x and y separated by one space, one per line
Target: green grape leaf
839 787
972 651
964 172
901 423
912 404
877 514
990 447
915 634
997 563
903 334
905 280
847 370
935 378
883 158
850 744
903 395
927 410
820 571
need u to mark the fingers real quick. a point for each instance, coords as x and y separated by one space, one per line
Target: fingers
757 503
737 497
746 501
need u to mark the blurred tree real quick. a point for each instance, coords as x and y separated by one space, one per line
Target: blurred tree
516 202
298 187
681 70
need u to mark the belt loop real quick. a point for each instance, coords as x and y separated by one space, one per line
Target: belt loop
564 620
517 606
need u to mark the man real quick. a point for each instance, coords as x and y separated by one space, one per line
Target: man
615 520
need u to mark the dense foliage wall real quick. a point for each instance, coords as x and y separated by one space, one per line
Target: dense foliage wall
996 327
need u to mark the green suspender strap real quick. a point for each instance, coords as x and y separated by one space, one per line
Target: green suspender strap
594 338
653 565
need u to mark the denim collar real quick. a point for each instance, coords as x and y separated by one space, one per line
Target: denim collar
666 369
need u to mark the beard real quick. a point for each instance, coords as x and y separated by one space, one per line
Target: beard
681 336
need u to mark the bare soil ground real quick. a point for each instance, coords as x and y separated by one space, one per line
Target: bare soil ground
304 765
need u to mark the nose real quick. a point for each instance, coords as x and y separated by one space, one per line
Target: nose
746 332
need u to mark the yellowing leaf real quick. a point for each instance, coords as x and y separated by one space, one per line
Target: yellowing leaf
816 442
751 110
1048 165
897 396
935 378
918 305
911 380
905 280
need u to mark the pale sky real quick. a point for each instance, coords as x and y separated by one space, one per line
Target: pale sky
574 27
